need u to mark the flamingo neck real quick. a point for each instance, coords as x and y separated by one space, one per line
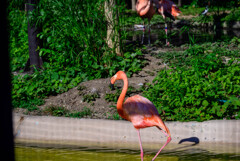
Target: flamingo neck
122 96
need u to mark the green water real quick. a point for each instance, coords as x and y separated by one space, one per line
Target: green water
23 153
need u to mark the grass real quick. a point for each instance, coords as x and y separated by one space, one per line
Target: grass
113 97
90 97
132 18
200 85
192 10
61 111
76 51
85 112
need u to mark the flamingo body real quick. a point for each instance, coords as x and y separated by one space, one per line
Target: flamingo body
168 9
140 111
145 9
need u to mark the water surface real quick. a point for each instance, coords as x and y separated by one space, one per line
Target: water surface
26 153
177 36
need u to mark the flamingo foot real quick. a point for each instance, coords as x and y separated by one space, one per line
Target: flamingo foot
141 156
168 140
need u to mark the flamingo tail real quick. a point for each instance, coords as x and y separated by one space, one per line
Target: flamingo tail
175 11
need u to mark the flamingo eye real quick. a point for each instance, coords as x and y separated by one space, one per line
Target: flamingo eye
114 77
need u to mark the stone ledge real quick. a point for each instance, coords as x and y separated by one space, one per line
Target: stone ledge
62 130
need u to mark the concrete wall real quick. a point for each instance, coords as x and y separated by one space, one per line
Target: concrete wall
102 132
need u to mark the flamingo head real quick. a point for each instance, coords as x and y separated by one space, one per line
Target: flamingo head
119 75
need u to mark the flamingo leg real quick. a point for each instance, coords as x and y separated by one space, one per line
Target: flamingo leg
140 143
149 30
168 140
143 32
166 31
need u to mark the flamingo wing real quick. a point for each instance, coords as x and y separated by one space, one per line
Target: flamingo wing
168 7
141 112
145 9
142 7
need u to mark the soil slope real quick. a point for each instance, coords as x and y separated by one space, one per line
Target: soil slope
73 101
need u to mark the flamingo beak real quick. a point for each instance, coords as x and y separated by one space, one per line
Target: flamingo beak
112 86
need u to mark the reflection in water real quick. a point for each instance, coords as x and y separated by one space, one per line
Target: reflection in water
177 38
24 153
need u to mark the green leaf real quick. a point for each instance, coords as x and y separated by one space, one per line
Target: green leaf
55 76
205 103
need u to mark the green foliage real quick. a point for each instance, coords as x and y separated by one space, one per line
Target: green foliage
213 3
27 88
130 63
116 116
16 5
132 18
236 41
74 49
200 88
80 88
90 97
190 10
112 97
225 11
233 16
56 111
70 37
85 112
61 111
18 40
51 81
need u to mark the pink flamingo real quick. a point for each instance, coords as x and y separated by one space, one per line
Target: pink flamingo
168 9
140 111
145 10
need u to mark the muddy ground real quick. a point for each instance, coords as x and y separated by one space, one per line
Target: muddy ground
73 100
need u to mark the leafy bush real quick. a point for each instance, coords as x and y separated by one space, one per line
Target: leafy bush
73 34
74 49
56 111
233 16
85 112
236 41
61 111
18 45
203 88
90 97
112 97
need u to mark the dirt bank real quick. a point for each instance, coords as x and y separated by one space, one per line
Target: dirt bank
73 100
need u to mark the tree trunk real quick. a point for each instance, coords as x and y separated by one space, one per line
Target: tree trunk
134 5
34 59
113 34
179 3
